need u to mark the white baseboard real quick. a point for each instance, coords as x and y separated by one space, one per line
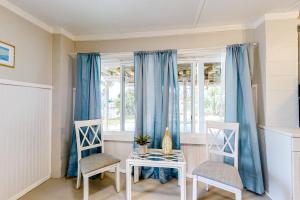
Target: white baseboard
267 193
29 188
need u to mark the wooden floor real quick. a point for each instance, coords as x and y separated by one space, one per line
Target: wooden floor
64 189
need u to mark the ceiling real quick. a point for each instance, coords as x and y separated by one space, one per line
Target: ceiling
124 17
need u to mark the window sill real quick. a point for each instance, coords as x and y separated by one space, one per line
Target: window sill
186 138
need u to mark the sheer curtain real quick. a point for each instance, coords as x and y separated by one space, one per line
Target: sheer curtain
157 102
239 108
87 102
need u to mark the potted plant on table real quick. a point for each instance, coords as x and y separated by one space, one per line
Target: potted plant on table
142 141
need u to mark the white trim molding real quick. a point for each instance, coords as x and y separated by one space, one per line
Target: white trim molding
274 16
29 188
285 15
15 9
62 31
161 33
193 30
34 20
24 84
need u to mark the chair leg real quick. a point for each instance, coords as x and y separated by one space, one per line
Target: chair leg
206 187
85 188
195 187
78 178
238 195
117 177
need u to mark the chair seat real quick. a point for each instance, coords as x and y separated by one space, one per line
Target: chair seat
96 161
219 172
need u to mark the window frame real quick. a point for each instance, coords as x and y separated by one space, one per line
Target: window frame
199 63
197 57
122 65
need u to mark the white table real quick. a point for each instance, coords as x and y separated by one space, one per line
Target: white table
155 158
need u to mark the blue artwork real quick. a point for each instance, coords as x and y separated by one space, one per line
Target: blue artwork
4 54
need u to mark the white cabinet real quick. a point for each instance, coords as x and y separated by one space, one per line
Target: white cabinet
280 150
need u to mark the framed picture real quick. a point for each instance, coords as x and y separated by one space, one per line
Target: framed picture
7 55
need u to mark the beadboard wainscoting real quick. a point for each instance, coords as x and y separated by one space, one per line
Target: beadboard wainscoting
25 144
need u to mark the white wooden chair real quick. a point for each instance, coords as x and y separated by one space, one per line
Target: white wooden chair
220 136
89 136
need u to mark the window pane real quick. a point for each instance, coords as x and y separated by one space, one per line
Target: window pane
129 98
214 92
111 102
197 98
185 94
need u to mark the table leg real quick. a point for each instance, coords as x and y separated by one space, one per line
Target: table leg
183 182
179 177
136 174
128 181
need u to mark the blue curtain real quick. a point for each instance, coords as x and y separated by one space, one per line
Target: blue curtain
157 103
87 102
239 108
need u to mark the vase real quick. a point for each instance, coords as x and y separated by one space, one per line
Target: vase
143 149
167 142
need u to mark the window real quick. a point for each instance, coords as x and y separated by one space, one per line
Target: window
214 92
185 97
201 84
117 95
111 97
129 107
201 91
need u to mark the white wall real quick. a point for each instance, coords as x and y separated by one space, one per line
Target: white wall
25 144
62 103
33 49
25 128
259 76
277 73
188 41
282 73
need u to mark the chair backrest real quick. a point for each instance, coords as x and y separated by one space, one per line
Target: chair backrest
222 140
88 135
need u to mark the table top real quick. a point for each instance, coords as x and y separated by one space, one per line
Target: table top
156 155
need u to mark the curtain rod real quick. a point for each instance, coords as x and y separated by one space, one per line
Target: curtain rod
73 54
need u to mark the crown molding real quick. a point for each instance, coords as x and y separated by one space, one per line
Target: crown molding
285 15
6 4
192 30
59 30
160 33
25 15
257 23
274 16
